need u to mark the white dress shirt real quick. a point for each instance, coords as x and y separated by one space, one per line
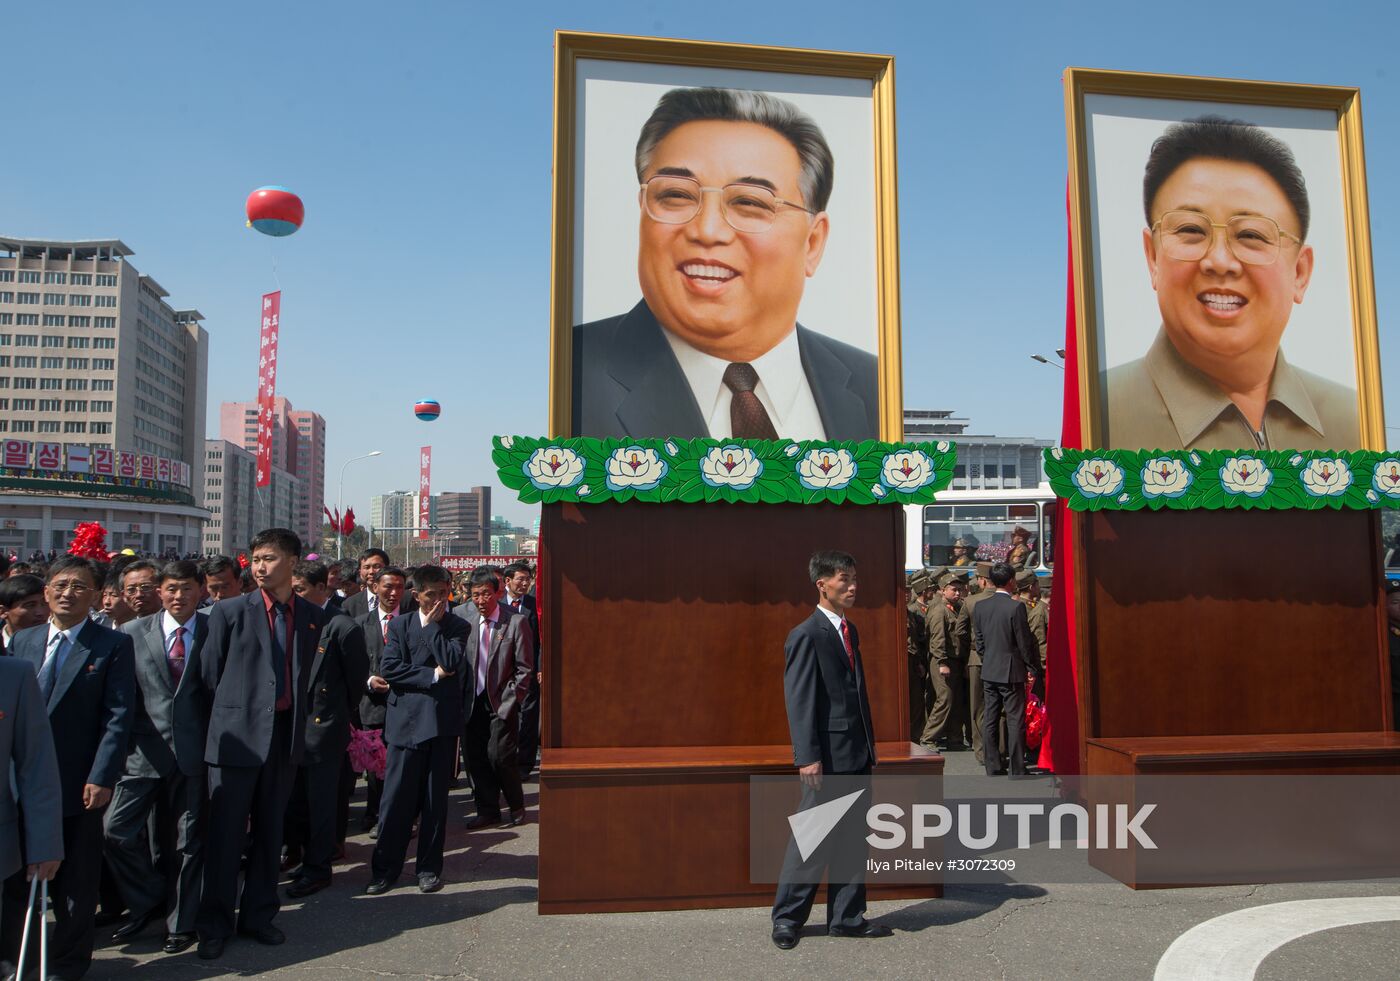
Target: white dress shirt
169 626
835 618
782 389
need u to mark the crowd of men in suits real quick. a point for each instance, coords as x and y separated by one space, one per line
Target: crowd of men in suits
169 725
968 670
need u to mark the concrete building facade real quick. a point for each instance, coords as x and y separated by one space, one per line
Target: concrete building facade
984 462
238 509
470 513
298 447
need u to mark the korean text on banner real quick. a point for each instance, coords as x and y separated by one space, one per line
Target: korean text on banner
425 469
267 383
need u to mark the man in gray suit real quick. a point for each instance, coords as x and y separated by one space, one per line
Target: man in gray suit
1010 657
26 752
734 189
165 769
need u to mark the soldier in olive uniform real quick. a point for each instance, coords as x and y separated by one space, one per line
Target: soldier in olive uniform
946 667
917 634
1028 591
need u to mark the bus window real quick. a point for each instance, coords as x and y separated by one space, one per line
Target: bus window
959 535
1047 537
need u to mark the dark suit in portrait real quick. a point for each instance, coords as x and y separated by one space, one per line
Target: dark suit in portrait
35 834
334 686
424 715
164 776
529 742
255 687
1009 653
627 382
829 721
497 687
89 700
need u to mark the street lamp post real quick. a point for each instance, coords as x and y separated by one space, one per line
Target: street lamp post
339 489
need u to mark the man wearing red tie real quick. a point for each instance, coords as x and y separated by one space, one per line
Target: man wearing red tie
829 721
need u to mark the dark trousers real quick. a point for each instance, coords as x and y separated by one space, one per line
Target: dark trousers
239 795
492 758
415 785
73 893
529 742
1010 700
976 709
342 799
312 814
842 853
165 871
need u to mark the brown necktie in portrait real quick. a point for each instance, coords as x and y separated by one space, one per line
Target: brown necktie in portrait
747 416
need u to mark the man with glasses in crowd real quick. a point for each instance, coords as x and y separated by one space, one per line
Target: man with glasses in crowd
734 189
1227 223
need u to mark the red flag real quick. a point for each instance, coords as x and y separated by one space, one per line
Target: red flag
348 522
267 382
1059 750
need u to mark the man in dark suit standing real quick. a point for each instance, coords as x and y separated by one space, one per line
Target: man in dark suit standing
389 590
366 599
502 666
422 662
828 714
517 600
85 675
1010 658
164 772
31 844
334 684
252 674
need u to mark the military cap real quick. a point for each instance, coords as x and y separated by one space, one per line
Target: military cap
935 573
919 581
984 569
968 542
1025 577
948 578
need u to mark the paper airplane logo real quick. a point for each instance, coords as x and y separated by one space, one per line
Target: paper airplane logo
810 827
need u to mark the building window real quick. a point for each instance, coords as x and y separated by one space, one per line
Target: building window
48 425
27 319
24 405
26 383
7 318
7 275
75 405
51 341
83 300
81 279
106 279
104 364
4 360
72 385
80 342
52 384
104 322
22 426
45 405
49 364
101 427
26 340
80 363
28 277
56 277
26 361
27 298
79 321
102 384
101 405
53 320
104 343
104 301
6 296
75 427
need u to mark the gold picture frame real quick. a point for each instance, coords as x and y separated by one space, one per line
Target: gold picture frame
570 48
1345 102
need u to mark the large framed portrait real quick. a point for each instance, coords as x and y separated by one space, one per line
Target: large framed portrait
725 253
1222 264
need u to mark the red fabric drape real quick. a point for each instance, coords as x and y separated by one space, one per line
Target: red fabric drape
1059 750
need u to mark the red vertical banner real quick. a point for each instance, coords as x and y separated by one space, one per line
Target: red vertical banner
425 471
267 382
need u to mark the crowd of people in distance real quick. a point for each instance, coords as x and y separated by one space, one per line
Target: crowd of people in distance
950 687
188 733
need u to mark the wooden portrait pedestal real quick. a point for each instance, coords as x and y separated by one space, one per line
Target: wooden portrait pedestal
662 652
1229 643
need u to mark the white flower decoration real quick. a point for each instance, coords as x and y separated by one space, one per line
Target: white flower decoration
1327 477
1196 458
1385 478
907 470
1097 477
826 469
507 442
1372 496
877 490
1123 498
554 466
942 445
1058 452
1295 459
671 448
1246 475
1164 477
793 449
635 467
730 466
584 490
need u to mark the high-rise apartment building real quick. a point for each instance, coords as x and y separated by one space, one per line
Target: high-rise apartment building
464 521
298 446
238 509
399 511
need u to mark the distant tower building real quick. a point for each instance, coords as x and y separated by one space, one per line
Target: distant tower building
298 447
238 509
469 513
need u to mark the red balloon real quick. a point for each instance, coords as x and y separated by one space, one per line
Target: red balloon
274 210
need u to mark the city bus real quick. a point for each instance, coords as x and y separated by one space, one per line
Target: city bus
986 520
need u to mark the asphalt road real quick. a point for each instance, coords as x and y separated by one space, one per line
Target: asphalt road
484 925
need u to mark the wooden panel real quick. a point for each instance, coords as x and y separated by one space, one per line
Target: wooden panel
666 621
1214 623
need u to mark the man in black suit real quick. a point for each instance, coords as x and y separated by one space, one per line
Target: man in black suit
423 661
517 600
85 674
164 771
335 683
1010 657
221 575
389 590
828 714
252 676
734 189
22 605
366 599
502 666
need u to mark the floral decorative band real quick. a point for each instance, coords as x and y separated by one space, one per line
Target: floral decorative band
1128 480
582 469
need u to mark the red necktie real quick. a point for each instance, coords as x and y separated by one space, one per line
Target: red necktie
177 656
387 618
846 639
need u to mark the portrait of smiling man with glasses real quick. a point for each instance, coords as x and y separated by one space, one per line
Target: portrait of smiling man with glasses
1227 254
732 197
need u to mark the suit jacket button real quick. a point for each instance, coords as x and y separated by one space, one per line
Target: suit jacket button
318 718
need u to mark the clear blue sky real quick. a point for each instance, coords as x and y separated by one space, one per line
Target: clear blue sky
419 136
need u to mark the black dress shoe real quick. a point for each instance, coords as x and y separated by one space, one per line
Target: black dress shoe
268 935
134 926
785 937
516 818
866 929
302 888
482 821
176 943
374 833
379 886
106 917
211 949
427 882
